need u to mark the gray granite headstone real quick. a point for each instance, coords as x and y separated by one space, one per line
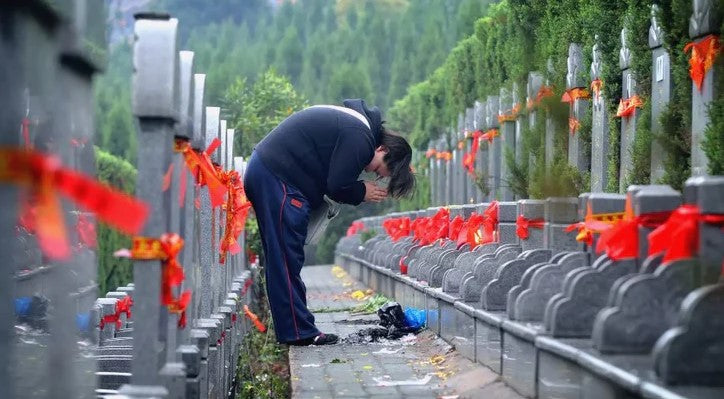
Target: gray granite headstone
481 161
577 156
199 121
207 229
599 126
628 124
507 142
471 190
155 103
494 148
661 87
533 85
432 172
559 214
549 141
507 215
703 22
520 121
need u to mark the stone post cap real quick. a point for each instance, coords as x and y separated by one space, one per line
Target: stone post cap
223 314
191 358
711 195
607 202
199 118
186 93
200 339
561 210
116 294
143 391
481 207
491 112
468 210
531 208
650 199
691 189
582 202
128 290
232 304
213 327
507 211
156 67
703 19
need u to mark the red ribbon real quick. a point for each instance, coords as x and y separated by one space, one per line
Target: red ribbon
596 86
86 232
46 178
470 232
237 209
627 107
490 135
200 165
25 128
576 93
455 227
522 225
470 157
430 153
397 228
702 58
622 240
678 238
490 224
543 92
354 228
254 319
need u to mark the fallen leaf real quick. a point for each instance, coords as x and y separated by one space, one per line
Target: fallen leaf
367 367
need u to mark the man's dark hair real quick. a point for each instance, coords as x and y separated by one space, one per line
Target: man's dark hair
397 159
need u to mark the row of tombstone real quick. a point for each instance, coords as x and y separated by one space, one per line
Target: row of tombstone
57 338
554 318
450 184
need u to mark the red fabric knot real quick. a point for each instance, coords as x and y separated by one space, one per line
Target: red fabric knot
523 225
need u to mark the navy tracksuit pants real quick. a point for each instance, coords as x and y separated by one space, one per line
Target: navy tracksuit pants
282 213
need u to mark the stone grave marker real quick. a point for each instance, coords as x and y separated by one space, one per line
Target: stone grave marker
661 87
494 147
628 123
507 120
599 124
579 101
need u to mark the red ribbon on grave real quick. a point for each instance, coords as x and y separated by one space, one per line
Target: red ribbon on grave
470 233
25 129
445 155
397 228
45 177
594 224
511 116
438 226
237 209
703 55
622 240
470 157
166 249
124 305
254 319
247 284
354 228
543 92
523 225
596 86
627 107
167 178
490 135
86 231
576 93
111 318
573 125
678 238
455 227
490 224
203 170
430 153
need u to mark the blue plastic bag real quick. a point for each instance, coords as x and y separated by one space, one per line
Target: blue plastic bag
415 318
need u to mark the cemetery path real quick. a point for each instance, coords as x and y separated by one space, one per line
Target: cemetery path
422 366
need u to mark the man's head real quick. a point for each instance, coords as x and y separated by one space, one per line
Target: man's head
392 159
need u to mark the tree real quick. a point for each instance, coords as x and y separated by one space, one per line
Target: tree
349 81
256 109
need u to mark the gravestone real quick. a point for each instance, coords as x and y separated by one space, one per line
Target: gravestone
533 86
599 125
199 120
432 171
155 104
549 141
449 163
628 124
578 109
481 161
559 213
494 146
472 193
507 141
459 150
661 87
704 21
207 222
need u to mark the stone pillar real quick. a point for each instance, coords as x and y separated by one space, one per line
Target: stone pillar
449 161
440 165
599 127
532 88
155 104
559 214
199 121
494 147
432 171
192 194
628 124
506 119
532 210
481 161
471 192
549 141
575 83
460 148
661 87
702 24
207 221
519 124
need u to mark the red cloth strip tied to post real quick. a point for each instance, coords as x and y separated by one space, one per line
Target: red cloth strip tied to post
114 318
470 157
490 135
430 153
470 233
397 228
254 319
596 86
237 209
576 93
703 55
490 224
456 225
203 170
522 225
354 228
573 126
511 116
543 92
678 238
166 248
593 224
45 177
627 107
622 240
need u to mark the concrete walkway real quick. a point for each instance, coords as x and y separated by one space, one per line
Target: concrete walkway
419 367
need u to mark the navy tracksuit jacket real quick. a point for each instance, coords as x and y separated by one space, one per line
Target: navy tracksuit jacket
313 152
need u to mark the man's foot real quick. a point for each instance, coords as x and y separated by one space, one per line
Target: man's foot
321 339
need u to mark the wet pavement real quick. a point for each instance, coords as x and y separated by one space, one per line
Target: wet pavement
420 366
